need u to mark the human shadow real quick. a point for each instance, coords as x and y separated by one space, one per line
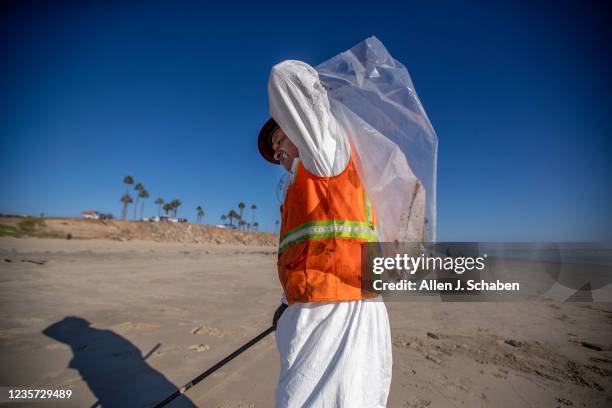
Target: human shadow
113 368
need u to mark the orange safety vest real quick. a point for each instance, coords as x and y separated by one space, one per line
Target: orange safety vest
324 222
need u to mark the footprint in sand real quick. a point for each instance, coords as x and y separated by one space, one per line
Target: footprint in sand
210 331
199 347
417 403
132 327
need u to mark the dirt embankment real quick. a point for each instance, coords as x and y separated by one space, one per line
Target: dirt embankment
78 228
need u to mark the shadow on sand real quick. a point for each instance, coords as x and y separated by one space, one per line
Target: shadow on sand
113 368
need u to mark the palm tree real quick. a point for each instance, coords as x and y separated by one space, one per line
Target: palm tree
223 218
276 223
128 180
253 208
167 208
241 206
175 204
144 194
126 199
138 187
255 226
241 224
200 214
231 215
159 202
172 206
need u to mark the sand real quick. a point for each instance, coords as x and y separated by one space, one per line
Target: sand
124 323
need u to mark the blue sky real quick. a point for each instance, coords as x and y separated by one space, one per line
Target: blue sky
174 94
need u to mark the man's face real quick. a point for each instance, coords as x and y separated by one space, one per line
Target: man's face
284 150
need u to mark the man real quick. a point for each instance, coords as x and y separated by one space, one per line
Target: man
334 343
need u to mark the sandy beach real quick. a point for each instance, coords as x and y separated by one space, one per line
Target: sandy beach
124 323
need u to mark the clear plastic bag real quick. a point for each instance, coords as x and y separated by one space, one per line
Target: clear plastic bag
372 96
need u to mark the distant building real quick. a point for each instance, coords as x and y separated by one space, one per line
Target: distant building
226 226
91 214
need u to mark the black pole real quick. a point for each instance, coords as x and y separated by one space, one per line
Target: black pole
152 351
214 368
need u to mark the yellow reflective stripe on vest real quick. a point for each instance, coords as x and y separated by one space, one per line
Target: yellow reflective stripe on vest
328 229
325 224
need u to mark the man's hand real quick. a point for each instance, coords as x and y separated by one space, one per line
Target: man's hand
278 314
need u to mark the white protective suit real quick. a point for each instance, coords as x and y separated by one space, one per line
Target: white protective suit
333 354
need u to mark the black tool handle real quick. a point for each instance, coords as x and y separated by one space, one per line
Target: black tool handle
214 368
